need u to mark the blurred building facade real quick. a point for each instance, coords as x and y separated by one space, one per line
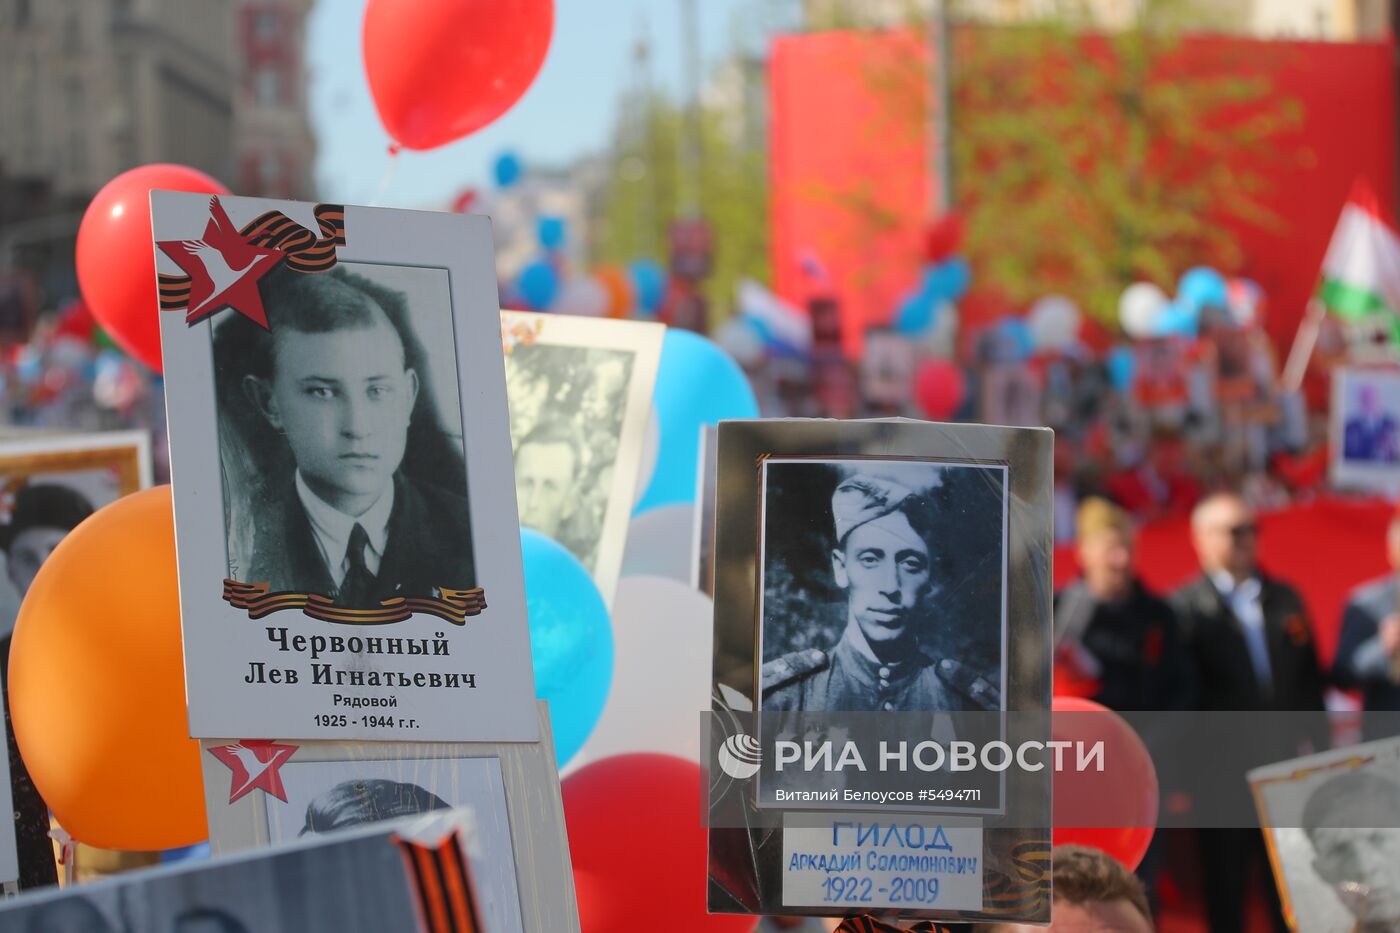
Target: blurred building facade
276 148
91 88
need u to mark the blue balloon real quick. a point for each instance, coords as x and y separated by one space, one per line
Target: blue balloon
538 283
1121 364
697 384
571 640
508 169
552 232
1016 334
947 280
199 852
916 313
1201 287
649 284
1178 319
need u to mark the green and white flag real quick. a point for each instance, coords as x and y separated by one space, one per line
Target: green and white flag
1361 271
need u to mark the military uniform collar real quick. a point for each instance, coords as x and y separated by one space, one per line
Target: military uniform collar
853 652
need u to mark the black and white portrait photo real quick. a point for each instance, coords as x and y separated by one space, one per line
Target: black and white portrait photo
341 437
580 396
1334 824
883 585
566 408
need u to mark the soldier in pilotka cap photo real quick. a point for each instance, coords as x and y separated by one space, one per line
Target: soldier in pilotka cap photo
882 560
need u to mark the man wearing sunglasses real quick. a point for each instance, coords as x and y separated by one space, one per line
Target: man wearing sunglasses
1252 644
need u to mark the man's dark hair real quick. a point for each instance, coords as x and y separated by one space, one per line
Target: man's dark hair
44 505
555 431
226 921
1081 875
316 303
1347 787
359 801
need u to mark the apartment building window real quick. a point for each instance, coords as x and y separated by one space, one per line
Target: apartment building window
267 86
266 24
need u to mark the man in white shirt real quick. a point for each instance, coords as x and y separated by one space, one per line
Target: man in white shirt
1252 645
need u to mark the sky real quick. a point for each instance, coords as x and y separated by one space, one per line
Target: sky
568 112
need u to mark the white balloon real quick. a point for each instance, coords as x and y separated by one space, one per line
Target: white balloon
582 296
739 339
1141 304
942 339
662 637
651 445
659 543
1053 322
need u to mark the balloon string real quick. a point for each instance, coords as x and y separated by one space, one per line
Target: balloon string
388 175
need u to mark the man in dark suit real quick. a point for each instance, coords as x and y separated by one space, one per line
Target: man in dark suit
349 523
1252 645
1369 645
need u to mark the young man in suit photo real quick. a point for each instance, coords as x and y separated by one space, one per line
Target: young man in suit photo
354 489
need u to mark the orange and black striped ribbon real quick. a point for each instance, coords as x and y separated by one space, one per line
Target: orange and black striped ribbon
1019 894
453 606
305 251
441 884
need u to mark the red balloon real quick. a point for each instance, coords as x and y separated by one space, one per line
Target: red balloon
1125 791
116 255
940 387
612 808
440 69
943 237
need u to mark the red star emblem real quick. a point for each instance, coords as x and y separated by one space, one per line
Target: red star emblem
254 763
224 268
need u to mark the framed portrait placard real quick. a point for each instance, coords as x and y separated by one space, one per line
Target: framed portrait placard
416 875
49 483
580 398
273 793
1331 822
881 598
1365 429
341 470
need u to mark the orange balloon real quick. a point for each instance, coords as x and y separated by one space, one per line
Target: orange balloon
97 685
619 288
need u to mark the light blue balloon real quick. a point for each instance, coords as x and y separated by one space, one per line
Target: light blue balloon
199 852
649 284
947 280
508 169
916 314
1121 364
1178 319
552 232
1017 335
1202 286
538 283
571 640
696 384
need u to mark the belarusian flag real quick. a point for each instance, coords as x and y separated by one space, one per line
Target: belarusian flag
1361 272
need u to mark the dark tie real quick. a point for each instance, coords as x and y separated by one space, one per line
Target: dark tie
357 590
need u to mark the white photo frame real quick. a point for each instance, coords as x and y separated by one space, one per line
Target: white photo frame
584 383
521 775
449 657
